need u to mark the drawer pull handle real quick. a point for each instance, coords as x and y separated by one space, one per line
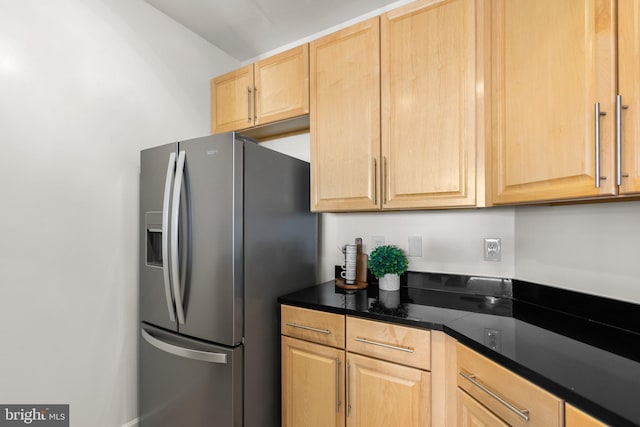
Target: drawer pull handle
522 413
381 344
309 328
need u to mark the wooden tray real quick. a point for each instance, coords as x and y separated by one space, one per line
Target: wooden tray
357 285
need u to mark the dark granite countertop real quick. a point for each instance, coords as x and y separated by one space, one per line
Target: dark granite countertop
546 335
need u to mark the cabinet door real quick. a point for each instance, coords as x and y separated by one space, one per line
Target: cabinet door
576 418
429 104
231 100
629 90
473 414
345 118
312 384
552 61
282 86
383 394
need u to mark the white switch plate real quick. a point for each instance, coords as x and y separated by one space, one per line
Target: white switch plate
415 246
376 241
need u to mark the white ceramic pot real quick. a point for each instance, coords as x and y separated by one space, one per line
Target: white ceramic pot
390 299
389 282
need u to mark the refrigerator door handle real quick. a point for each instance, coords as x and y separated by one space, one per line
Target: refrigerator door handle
175 221
165 235
188 353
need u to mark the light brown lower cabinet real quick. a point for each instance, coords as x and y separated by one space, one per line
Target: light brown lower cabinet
383 394
444 387
383 382
574 417
312 384
506 395
344 371
473 414
376 393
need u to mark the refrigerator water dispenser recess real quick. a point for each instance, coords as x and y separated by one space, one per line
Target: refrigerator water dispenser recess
153 226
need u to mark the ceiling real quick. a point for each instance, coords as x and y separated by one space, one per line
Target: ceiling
246 29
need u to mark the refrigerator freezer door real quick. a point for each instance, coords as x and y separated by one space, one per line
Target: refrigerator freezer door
185 382
212 288
156 176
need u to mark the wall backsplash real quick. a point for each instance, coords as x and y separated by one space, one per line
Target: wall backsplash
591 248
452 241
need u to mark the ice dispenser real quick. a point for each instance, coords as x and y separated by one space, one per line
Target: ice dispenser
153 225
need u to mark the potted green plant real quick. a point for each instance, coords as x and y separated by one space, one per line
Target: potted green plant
387 263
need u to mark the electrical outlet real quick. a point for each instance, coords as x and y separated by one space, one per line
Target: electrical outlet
493 338
492 251
376 241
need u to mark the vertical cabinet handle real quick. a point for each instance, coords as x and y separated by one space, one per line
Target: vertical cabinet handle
347 390
619 108
598 113
255 103
383 183
618 140
248 103
337 385
375 183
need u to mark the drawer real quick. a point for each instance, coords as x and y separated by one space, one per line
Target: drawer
312 325
398 344
506 394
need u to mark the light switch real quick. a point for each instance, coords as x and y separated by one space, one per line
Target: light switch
415 246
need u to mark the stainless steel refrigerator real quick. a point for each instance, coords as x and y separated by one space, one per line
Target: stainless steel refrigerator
225 228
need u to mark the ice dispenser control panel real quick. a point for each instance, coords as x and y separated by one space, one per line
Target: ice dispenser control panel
153 227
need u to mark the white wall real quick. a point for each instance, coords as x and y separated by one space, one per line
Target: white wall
592 248
452 241
84 85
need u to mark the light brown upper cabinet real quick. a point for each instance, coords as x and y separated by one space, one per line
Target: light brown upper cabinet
430 72
629 92
554 99
345 118
396 111
274 89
